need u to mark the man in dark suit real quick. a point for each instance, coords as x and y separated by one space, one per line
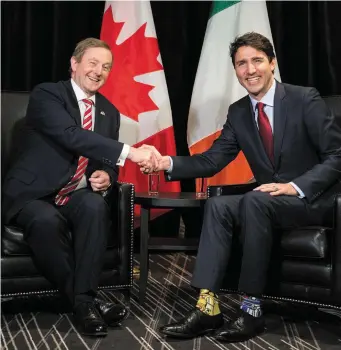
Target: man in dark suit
293 146
59 182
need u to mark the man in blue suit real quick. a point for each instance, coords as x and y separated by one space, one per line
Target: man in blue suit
58 184
293 145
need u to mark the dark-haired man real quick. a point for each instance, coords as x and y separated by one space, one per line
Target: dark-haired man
70 160
293 146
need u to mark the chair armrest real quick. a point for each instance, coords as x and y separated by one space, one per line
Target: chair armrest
122 196
225 190
336 254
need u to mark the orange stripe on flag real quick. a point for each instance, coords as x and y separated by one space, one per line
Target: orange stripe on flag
237 172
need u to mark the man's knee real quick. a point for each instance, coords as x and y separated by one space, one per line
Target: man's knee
223 208
255 199
215 205
94 203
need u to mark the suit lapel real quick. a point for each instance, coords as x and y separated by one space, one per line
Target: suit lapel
252 130
99 116
280 117
72 106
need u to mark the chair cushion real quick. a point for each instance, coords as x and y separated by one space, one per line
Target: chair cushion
23 266
13 243
306 242
306 272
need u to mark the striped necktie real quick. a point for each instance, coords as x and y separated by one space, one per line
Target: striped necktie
62 196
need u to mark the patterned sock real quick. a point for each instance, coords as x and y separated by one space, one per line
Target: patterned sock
252 306
208 302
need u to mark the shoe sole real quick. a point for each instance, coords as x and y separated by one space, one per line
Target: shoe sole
240 339
188 336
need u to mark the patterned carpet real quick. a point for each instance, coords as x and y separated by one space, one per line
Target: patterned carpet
43 323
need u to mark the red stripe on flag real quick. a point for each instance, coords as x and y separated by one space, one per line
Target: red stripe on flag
135 56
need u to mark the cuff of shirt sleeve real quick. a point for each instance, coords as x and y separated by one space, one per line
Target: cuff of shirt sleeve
171 165
300 192
123 156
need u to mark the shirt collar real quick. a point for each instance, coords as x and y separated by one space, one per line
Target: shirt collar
268 98
80 94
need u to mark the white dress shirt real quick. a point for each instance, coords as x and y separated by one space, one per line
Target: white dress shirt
80 95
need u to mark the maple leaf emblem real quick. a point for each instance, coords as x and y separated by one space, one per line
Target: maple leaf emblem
135 56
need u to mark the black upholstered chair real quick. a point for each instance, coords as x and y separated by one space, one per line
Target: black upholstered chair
19 276
306 263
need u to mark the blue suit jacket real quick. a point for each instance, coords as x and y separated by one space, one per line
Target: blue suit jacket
307 145
54 141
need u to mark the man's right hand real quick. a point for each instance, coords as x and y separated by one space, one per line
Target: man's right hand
143 155
163 163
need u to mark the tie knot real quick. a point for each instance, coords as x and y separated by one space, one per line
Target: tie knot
88 101
260 106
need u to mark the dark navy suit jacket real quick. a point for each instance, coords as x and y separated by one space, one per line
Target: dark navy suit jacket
54 141
307 145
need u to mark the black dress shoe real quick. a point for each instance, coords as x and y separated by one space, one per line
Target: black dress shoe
113 314
244 327
89 321
195 324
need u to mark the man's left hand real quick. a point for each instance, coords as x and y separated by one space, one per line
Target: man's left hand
275 189
100 181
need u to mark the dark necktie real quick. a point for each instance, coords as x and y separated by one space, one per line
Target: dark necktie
62 197
265 131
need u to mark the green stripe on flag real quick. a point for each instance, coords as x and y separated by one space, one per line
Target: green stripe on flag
218 6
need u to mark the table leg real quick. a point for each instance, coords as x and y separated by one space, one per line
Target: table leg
144 254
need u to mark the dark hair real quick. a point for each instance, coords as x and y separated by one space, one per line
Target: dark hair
255 40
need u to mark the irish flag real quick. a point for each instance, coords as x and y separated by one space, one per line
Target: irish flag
216 85
137 85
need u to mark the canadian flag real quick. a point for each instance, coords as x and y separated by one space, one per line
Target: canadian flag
137 86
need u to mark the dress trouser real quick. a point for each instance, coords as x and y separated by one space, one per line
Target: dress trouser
255 213
68 242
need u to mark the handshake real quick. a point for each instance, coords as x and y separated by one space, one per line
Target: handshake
149 159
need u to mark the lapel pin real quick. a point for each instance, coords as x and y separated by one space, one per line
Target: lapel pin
102 113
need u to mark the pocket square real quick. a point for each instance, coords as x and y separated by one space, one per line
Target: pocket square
102 113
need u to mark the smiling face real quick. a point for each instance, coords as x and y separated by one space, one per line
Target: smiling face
93 69
254 71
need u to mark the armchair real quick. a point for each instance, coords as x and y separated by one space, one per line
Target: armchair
19 276
306 263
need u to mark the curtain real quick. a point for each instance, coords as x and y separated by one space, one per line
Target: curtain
38 37
307 42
